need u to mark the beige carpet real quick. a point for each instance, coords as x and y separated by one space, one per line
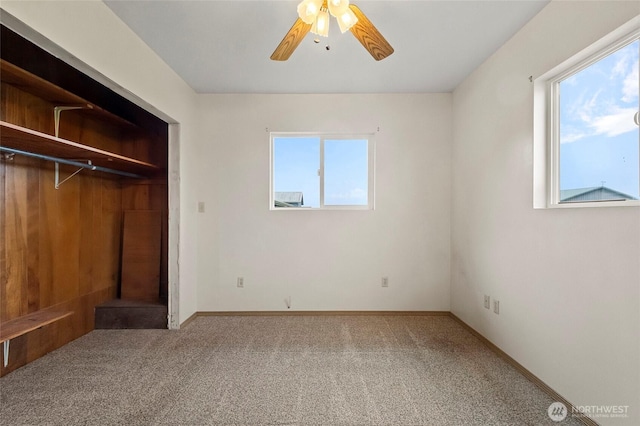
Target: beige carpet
275 370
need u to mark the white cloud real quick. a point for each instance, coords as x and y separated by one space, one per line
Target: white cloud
601 108
572 136
611 121
571 81
618 122
585 109
622 64
631 85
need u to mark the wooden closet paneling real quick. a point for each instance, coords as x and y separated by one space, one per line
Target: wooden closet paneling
60 247
151 194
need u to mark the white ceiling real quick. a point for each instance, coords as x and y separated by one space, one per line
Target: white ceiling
224 46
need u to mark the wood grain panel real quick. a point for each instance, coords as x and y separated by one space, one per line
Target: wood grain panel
144 194
15 235
108 231
291 40
77 126
26 110
369 36
135 144
151 195
65 236
33 239
141 245
42 89
45 246
89 221
136 197
3 245
37 343
60 249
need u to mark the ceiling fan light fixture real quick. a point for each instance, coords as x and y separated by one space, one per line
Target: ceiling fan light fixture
338 7
308 10
314 16
347 20
321 24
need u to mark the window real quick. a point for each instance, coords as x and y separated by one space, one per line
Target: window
321 171
592 106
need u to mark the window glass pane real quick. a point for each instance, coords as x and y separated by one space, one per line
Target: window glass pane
295 171
346 172
599 140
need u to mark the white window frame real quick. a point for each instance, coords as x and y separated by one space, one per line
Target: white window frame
546 149
324 136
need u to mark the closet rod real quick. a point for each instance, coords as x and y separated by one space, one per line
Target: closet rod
69 162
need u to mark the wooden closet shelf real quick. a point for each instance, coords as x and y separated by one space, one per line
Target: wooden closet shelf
24 324
24 139
43 89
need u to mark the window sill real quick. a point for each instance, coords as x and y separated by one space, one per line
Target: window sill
592 204
333 208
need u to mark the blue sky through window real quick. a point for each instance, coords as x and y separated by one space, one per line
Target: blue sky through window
599 141
296 161
345 172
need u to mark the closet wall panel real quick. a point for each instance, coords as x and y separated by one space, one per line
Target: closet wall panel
60 248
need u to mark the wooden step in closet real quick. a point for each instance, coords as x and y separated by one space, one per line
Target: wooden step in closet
76 159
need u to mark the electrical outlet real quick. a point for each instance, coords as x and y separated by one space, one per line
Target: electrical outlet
385 281
496 307
487 302
240 282
200 206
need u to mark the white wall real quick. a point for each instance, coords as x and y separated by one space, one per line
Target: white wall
568 280
93 36
326 260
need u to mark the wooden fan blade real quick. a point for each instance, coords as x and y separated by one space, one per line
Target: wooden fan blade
291 40
369 36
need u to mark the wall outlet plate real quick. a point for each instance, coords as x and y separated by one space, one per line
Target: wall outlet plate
385 281
496 307
487 302
240 282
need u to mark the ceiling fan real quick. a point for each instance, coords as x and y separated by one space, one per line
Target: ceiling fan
314 17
